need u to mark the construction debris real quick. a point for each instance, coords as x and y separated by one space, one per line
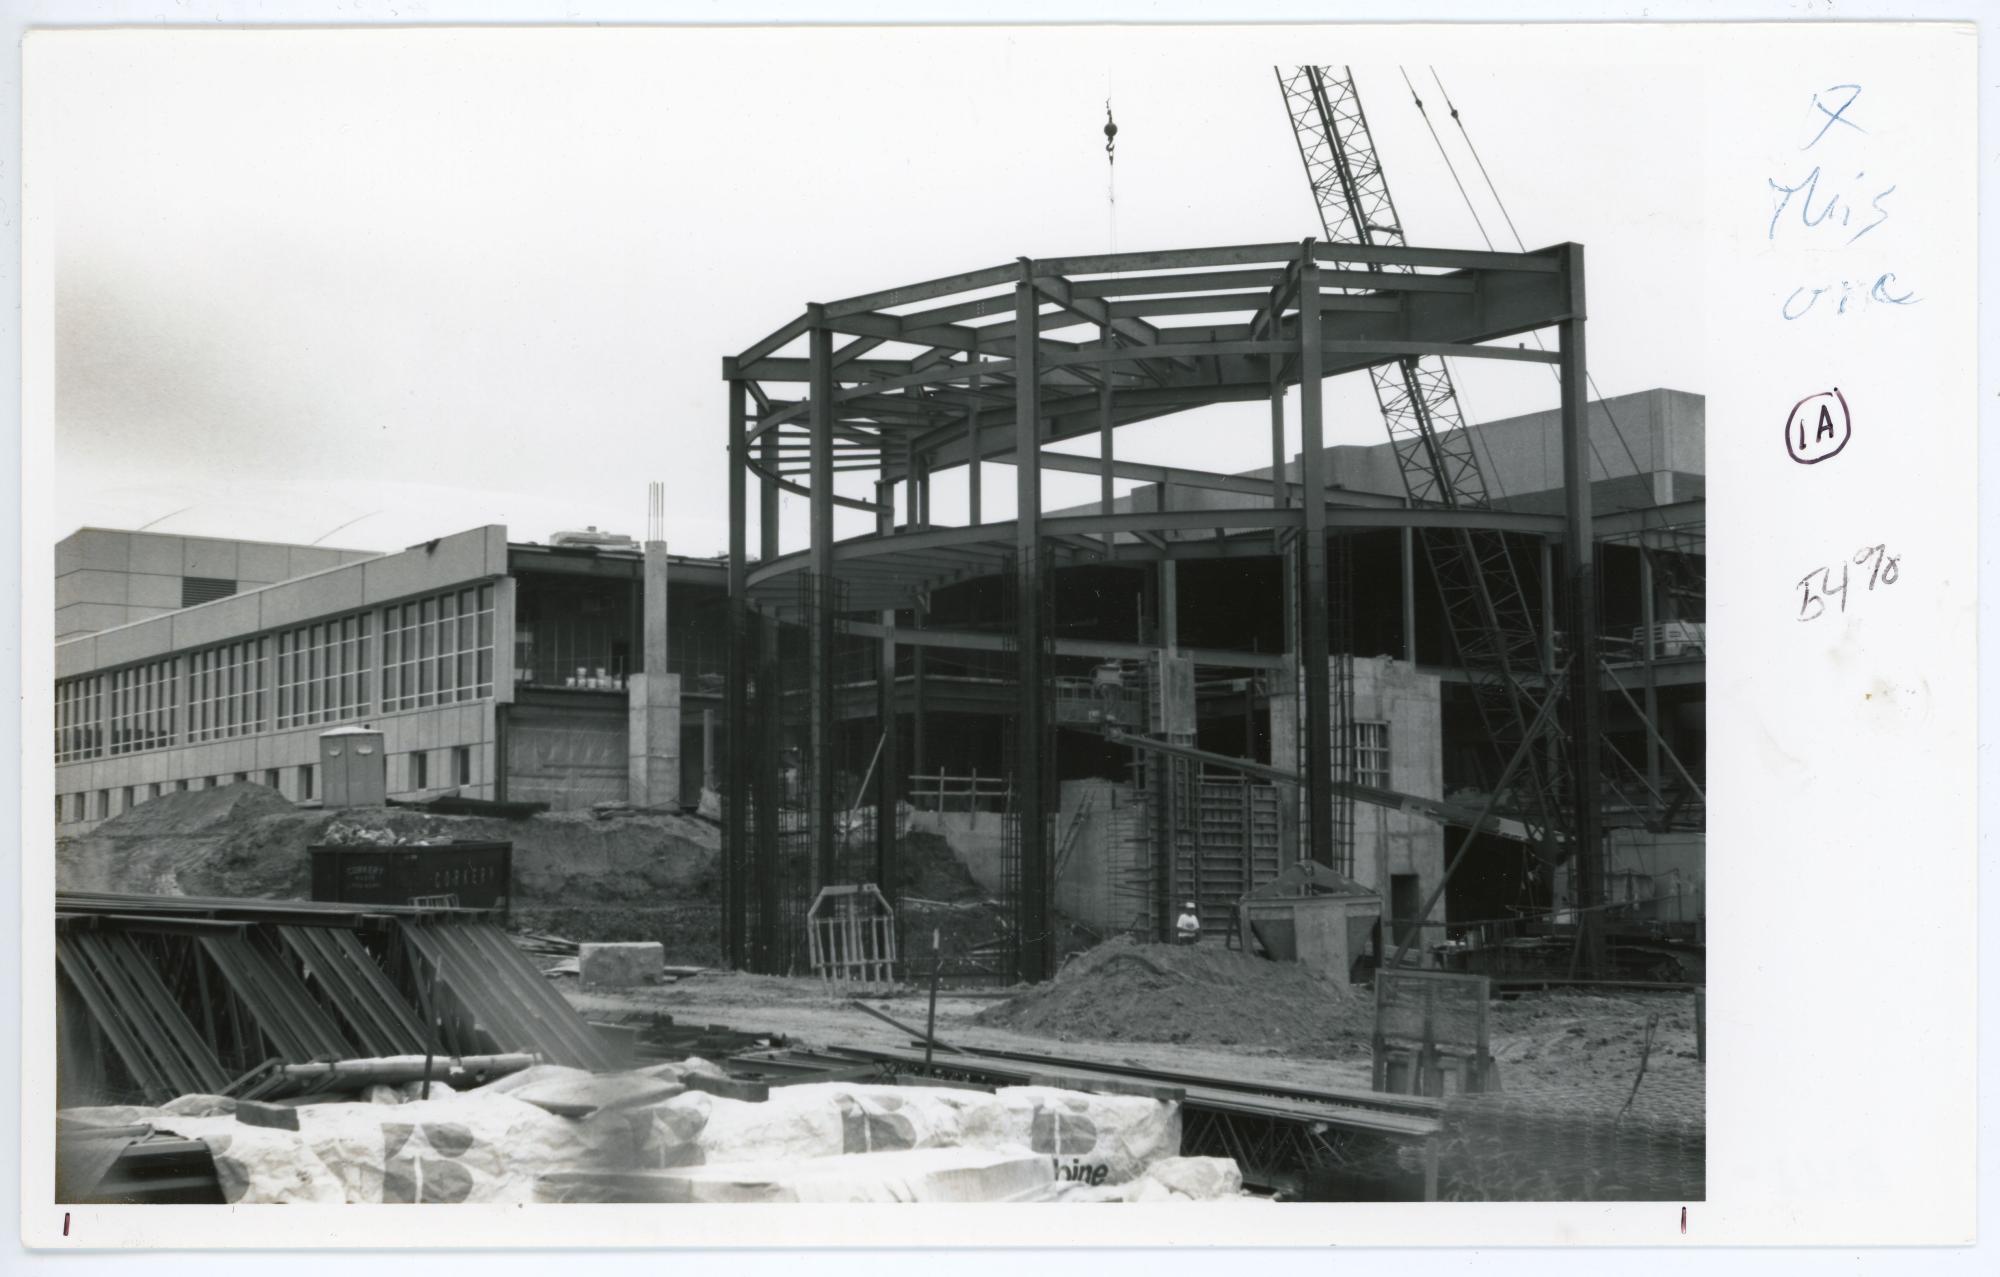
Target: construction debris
620 965
1125 991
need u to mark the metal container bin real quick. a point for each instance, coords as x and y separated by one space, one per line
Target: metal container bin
474 875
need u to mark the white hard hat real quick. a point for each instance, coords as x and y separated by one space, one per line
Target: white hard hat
1190 904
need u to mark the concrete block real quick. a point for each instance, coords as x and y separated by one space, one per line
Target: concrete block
97 548
216 622
157 555
146 589
433 566
304 560
202 556
134 643
91 616
263 564
620 965
76 655
296 602
90 585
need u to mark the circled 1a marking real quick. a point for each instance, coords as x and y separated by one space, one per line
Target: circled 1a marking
1818 427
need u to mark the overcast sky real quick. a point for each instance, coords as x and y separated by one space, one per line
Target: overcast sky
423 280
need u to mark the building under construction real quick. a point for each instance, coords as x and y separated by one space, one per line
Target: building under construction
1366 658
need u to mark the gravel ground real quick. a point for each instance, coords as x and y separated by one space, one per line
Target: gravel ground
1543 1039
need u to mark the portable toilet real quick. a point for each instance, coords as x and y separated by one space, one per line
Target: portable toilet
354 768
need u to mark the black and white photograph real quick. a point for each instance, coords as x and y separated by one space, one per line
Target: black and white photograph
1092 617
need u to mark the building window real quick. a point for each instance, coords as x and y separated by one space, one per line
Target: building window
79 704
323 672
1371 754
462 758
59 819
180 787
104 804
439 650
131 799
76 807
155 790
305 781
271 778
210 782
225 691
420 770
204 589
139 706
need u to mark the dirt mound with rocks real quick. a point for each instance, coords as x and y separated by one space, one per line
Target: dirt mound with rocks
626 877
1124 991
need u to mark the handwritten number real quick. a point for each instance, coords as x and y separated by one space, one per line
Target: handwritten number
1886 569
1810 600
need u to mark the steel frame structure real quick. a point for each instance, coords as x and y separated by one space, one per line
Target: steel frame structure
995 365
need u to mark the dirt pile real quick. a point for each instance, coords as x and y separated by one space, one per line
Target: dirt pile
1122 991
630 877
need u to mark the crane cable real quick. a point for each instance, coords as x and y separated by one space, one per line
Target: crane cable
1478 441
1111 172
1522 246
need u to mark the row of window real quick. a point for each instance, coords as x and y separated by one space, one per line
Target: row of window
434 651
97 806
438 651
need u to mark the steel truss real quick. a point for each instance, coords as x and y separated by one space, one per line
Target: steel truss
988 366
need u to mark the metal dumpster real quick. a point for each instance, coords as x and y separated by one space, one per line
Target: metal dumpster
471 875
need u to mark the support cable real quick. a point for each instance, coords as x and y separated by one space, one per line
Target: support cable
1488 239
1521 244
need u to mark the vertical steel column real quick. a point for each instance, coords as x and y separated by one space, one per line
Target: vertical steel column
974 467
768 947
1580 574
1318 709
1647 619
887 778
1107 449
819 633
1280 490
1030 756
1409 539
736 707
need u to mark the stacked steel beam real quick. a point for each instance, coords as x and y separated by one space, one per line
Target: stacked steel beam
165 996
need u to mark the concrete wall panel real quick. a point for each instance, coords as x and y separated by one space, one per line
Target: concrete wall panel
201 556
215 622
311 599
105 550
91 585
448 561
263 564
133 643
158 555
146 590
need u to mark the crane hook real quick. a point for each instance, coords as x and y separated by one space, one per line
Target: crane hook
1110 135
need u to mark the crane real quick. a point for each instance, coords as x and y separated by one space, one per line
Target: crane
1508 667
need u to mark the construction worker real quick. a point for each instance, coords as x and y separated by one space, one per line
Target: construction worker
1187 928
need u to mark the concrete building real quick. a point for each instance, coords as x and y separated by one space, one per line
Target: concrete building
106 577
568 674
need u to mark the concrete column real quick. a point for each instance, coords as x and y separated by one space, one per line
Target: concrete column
653 698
